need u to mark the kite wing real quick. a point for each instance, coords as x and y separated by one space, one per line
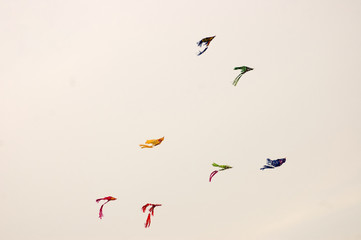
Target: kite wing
215 165
278 162
206 41
224 167
152 141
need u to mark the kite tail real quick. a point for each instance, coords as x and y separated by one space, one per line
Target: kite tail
199 43
201 52
151 210
145 207
145 146
265 166
147 223
212 175
237 79
101 215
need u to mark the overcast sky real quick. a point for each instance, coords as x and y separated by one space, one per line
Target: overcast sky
83 83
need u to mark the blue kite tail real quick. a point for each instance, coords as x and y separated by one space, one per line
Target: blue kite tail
200 53
266 166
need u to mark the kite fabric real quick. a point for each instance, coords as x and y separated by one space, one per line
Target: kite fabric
151 212
206 41
108 199
273 163
152 142
222 167
243 69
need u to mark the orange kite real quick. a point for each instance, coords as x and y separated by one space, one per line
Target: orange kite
152 142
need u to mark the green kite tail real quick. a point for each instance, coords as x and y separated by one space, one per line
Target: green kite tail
237 79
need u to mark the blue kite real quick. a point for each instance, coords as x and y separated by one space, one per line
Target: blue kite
273 163
206 41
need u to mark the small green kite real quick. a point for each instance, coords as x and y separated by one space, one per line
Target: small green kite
223 167
243 69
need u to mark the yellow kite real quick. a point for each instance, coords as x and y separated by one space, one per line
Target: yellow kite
153 142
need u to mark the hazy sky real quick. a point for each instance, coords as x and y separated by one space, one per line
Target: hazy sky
83 83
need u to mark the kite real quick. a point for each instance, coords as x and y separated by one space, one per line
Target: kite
273 163
109 198
223 167
206 41
151 212
153 142
244 69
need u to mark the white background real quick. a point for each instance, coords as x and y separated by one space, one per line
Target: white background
83 83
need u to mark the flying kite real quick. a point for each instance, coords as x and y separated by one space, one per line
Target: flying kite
273 163
153 142
151 212
206 41
108 199
223 167
243 69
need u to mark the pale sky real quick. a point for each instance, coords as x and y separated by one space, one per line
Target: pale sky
83 83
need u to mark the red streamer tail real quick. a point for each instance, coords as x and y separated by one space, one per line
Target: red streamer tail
101 212
212 175
145 207
147 223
